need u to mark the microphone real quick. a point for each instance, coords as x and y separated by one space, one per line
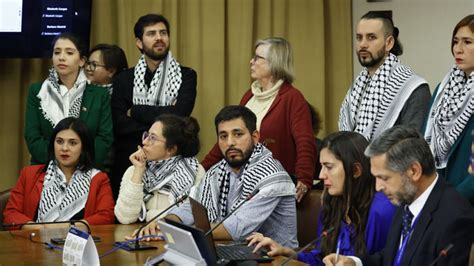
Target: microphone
443 253
324 234
236 208
136 245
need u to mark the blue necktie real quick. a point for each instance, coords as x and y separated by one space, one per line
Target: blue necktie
406 222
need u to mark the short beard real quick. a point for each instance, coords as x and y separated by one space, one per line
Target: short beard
408 193
239 163
156 56
374 61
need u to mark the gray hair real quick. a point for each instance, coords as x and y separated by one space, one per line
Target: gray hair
279 57
403 146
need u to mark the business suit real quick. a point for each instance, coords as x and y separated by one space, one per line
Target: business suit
445 218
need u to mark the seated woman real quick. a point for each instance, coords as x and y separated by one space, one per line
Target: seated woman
361 217
104 63
162 170
67 187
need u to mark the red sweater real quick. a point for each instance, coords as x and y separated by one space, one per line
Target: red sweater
25 197
286 128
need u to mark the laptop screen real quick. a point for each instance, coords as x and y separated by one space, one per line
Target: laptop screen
201 221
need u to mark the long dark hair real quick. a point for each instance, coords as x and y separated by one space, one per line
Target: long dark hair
86 160
357 194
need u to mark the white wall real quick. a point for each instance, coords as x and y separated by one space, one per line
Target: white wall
425 32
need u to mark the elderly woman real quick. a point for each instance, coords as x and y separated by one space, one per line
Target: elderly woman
162 170
283 117
67 187
450 123
104 63
360 216
63 94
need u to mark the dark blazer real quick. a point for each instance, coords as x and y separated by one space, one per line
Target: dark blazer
446 218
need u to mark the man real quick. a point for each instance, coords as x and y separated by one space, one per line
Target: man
432 215
247 166
385 93
156 85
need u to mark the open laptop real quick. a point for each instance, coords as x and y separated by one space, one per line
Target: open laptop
231 252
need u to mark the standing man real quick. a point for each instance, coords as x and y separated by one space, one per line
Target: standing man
156 85
432 215
385 93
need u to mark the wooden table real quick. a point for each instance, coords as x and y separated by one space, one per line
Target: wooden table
16 250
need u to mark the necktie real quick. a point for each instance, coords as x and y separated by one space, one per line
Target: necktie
406 222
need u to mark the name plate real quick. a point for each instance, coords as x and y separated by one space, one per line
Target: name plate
79 249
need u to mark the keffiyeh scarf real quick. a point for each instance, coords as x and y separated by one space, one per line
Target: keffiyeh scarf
164 86
261 171
61 201
53 104
175 175
450 113
373 104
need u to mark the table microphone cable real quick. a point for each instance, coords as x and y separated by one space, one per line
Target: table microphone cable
30 237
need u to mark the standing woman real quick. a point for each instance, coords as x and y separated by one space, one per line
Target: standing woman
104 63
65 93
67 187
283 116
450 123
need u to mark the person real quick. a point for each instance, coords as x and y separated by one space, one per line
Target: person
158 84
67 187
283 117
386 92
431 214
316 125
66 93
104 63
360 216
450 121
163 169
246 167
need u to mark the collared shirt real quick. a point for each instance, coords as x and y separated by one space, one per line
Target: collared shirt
66 98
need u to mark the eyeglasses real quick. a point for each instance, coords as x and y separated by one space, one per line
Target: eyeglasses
93 65
256 57
151 138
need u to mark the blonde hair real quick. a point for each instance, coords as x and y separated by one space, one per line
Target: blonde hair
279 57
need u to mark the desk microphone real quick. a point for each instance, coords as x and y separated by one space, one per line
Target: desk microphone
442 253
136 245
324 234
250 196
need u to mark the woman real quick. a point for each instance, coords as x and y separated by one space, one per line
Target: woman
162 170
66 93
67 187
104 63
360 216
283 117
450 123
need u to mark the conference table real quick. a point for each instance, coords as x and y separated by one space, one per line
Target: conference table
17 249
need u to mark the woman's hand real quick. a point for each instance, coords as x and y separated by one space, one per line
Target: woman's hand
274 249
138 160
151 229
301 190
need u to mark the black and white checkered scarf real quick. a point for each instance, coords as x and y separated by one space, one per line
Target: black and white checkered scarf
61 201
450 112
52 103
261 171
164 86
374 103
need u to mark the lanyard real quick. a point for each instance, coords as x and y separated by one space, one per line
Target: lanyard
401 250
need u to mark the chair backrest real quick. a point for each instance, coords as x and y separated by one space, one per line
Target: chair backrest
307 214
4 195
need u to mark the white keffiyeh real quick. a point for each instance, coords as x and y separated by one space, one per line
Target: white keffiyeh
164 86
373 104
61 201
450 112
261 171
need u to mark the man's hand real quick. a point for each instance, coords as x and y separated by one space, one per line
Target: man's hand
151 229
330 260
274 249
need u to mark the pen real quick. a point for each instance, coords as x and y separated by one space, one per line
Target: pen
338 248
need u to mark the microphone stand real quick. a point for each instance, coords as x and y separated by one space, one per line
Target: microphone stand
323 235
136 245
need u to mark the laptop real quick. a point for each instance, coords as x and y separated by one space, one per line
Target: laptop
231 252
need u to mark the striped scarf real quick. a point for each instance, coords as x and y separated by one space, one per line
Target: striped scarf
373 104
61 201
261 171
450 113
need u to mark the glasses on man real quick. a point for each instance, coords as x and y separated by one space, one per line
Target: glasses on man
92 65
152 139
256 57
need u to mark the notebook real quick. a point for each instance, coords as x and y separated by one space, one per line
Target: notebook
232 251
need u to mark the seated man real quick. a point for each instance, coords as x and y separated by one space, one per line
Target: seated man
247 166
432 215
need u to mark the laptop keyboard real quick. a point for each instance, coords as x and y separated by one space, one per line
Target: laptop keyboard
237 253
